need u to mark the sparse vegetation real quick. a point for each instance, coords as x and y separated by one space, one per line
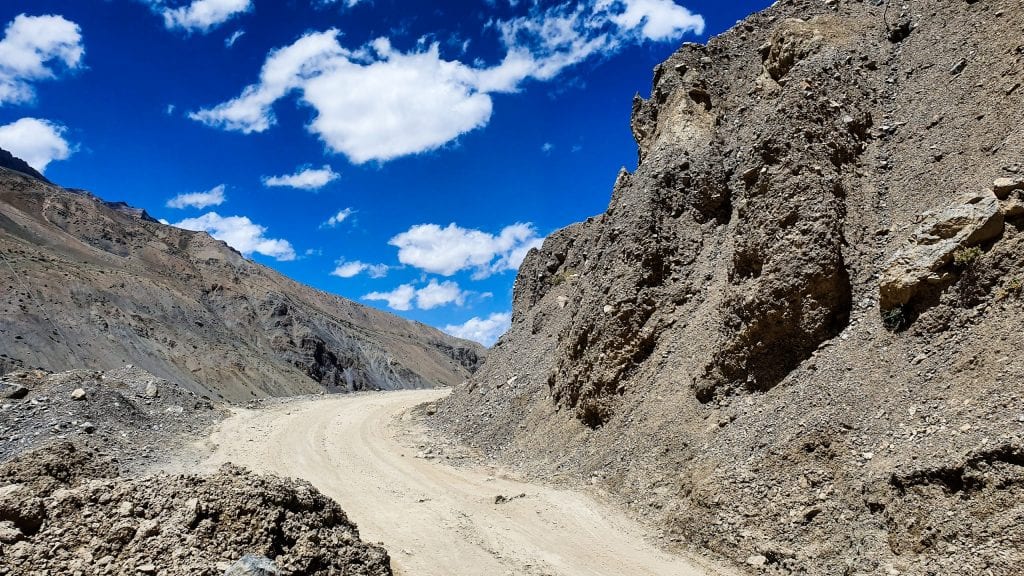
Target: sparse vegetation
563 276
894 319
1013 289
965 257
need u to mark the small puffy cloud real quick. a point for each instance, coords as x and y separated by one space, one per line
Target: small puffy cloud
345 269
241 234
451 249
406 104
35 141
658 20
203 15
483 330
547 147
304 179
230 40
29 47
433 295
213 197
417 101
437 294
398 299
338 218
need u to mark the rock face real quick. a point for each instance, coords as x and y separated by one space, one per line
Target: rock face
933 245
98 284
794 335
63 510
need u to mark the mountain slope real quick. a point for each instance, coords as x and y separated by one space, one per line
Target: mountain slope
793 337
98 285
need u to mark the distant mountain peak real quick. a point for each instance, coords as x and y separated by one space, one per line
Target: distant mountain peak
12 162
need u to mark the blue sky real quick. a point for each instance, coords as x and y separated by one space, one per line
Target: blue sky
399 153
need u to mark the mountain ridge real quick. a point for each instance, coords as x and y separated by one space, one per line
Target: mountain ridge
101 284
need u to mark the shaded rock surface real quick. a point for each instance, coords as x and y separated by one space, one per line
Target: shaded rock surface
714 351
101 284
73 514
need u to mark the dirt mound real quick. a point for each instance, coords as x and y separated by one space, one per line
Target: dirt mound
792 337
62 511
128 413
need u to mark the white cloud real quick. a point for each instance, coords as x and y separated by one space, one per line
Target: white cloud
405 104
398 299
29 45
230 40
170 109
35 141
338 218
547 147
203 15
483 330
213 197
437 294
658 20
304 179
354 268
433 295
241 234
346 3
451 249
412 102
285 69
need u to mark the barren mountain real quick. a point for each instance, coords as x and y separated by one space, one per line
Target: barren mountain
97 285
794 336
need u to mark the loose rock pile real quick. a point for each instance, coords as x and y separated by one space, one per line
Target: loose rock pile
63 510
126 412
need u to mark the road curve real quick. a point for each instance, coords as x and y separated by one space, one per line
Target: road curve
433 518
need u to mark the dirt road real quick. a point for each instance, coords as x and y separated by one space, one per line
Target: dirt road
433 518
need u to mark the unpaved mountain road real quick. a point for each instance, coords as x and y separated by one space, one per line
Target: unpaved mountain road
433 518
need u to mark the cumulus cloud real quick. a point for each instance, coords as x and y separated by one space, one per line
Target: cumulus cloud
213 197
203 15
433 295
483 330
338 218
30 46
304 179
35 141
284 70
241 234
345 269
451 249
437 294
417 101
398 299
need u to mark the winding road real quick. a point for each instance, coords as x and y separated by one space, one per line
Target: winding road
433 518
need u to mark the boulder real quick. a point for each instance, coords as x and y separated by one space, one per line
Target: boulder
1002 187
78 394
9 533
977 219
12 391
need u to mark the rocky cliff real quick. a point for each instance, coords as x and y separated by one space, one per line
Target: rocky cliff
793 337
95 284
